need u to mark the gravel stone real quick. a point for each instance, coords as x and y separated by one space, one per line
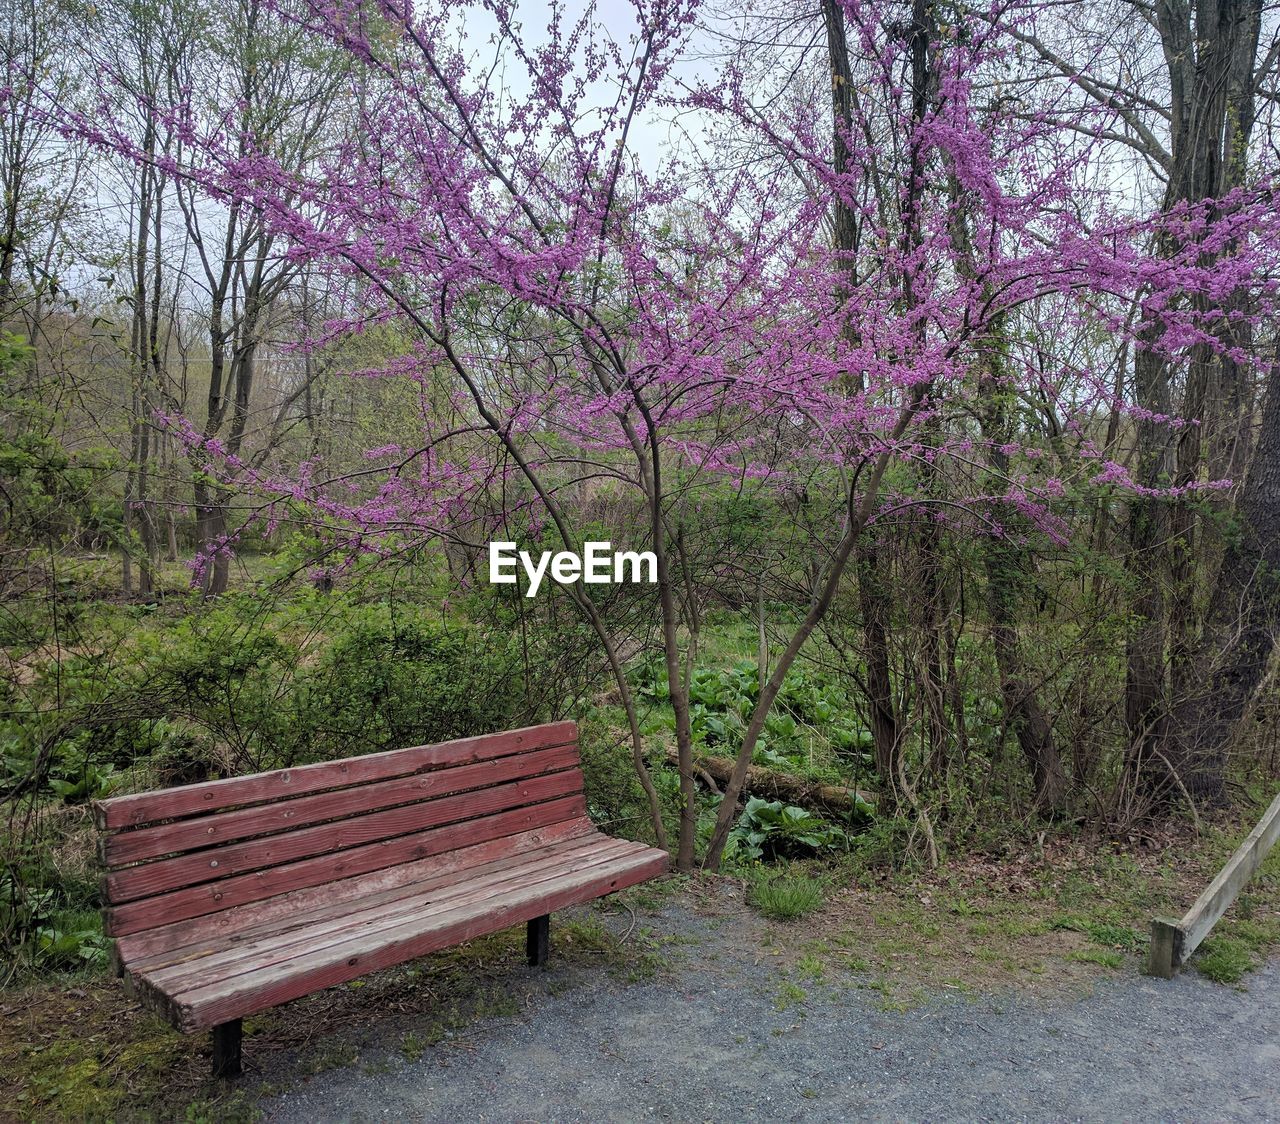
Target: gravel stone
706 1041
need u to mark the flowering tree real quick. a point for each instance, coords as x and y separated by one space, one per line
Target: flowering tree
825 312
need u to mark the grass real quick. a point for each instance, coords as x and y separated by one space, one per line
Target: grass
1106 957
1237 946
789 995
335 1055
1225 959
810 966
631 963
1108 934
1047 921
784 895
412 1046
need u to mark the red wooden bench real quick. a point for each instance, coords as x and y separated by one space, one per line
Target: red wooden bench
232 896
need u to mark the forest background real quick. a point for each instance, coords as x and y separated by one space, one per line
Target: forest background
930 347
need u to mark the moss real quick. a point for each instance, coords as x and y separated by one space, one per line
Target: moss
655 894
334 1055
85 1072
633 961
234 1108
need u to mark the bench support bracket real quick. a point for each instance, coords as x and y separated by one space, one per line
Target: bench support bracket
538 940
226 1049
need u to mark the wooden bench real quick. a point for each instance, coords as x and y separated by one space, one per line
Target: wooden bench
229 897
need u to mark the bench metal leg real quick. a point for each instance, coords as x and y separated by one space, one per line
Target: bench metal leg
538 940
226 1049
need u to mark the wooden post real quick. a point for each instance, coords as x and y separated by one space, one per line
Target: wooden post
1166 948
538 940
226 1049
1173 941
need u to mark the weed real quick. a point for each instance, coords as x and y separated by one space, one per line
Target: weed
1105 933
789 995
810 966
233 1109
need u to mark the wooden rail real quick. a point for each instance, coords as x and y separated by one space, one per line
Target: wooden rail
1172 942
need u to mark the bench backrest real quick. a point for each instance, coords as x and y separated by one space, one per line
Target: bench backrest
200 849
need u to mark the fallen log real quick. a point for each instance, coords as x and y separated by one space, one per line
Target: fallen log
773 785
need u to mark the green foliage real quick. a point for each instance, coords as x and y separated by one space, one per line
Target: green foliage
74 724
35 922
50 492
1108 934
79 947
227 669
615 799
1106 957
769 829
250 682
812 729
1239 944
92 783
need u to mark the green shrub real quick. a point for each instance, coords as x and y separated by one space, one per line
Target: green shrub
615 798
228 670
93 782
387 683
44 922
72 940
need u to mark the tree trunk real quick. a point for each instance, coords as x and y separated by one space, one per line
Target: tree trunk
1021 701
874 604
872 598
1242 623
824 798
1211 52
1023 712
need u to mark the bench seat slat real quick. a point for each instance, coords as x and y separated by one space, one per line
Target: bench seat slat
213 796
331 840
360 954
353 875
292 816
186 942
382 911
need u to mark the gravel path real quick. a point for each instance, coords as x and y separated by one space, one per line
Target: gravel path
721 1037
